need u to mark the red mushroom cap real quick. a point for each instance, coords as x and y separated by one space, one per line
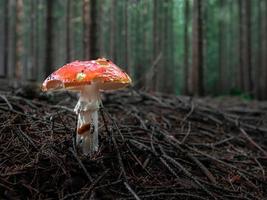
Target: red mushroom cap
76 74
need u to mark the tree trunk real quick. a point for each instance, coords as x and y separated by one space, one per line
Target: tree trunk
11 40
86 30
232 46
156 46
126 36
245 46
94 50
168 82
113 30
49 37
6 37
101 32
138 48
258 62
90 29
241 45
36 40
197 50
263 78
38 65
186 47
222 49
68 31
32 57
19 42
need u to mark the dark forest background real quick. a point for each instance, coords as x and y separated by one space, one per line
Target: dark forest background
197 47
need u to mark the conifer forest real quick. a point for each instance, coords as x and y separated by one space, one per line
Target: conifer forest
206 47
133 99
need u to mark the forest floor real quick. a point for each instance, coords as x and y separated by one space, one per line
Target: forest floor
151 147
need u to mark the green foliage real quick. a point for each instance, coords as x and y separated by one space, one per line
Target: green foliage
240 94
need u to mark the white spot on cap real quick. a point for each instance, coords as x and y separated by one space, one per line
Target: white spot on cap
80 76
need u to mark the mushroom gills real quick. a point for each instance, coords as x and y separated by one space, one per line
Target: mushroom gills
87 126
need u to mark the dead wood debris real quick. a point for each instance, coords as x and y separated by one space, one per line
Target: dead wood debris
152 147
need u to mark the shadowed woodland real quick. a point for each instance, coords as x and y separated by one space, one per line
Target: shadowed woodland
193 125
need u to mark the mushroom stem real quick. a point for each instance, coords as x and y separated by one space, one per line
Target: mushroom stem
87 126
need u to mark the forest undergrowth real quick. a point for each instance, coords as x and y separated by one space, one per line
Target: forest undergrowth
152 146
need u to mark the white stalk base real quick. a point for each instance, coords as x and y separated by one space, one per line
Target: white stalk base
87 126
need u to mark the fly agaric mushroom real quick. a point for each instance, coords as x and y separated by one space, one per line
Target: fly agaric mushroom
89 78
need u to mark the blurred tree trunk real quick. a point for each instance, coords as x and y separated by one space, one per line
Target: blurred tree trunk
11 39
113 53
101 27
94 49
232 45
160 38
36 39
161 32
86 30
138 48
168 79
245 46
196 85
241 45
204 36
263 77
153 77
186 47
258 62
40 53
222 49
68 31
156 45
32 57
119 33
19 42
126 36
91 50
49 37
148 46
6 36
